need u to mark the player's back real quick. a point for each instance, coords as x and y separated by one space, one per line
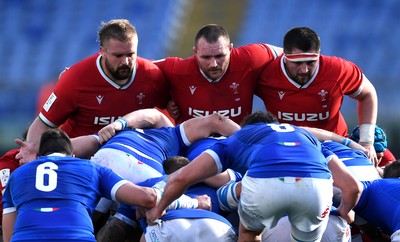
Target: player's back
54 197
356 161
159 144
379 204
265 149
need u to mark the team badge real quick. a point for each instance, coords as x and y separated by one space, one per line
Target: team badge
140 97
235 87
324 95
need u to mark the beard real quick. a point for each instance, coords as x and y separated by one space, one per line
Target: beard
120 73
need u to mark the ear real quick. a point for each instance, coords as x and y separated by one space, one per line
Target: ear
194 49
102 49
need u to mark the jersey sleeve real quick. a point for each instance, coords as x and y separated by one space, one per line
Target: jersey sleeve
110 182
350 76
259 54
62 101
8 205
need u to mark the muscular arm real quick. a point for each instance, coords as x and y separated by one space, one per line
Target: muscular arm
367 104
132 194
203 127
322 134
85 146
143 118
8 225
367 108
350 187
30 147
200 168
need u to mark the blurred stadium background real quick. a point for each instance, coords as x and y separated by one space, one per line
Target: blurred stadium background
39 38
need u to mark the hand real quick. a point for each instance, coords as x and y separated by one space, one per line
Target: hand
349 216
204 202
109 131
140 212
370 152
153 215
173 109
26 152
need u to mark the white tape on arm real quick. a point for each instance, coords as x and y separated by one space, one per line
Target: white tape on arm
367 133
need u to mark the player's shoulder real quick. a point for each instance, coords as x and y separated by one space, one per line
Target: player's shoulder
146 63
84 67
334 62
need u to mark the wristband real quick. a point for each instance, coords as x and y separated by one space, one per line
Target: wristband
123 122
346 141
97 137
367 133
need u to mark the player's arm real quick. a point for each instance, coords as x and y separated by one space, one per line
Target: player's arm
30 147
203 127
350 187
322 134
8 225
132 194
200 168
85 146
367 108
141 119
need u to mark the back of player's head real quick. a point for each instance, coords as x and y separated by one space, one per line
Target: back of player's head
259 117
211 33
302 38
120 29
392 170
174 163
380 142
54 141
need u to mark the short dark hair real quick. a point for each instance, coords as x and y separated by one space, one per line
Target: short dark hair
211 33
54 141
302 38
120 29
392 170
259 117
174 163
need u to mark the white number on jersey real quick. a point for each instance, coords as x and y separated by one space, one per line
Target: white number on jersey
45 172
281 127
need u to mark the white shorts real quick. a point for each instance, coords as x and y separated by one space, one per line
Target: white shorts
364 173
125 165
306 201
183 230
337 230
395 236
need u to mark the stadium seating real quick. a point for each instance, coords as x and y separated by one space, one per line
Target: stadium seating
42 37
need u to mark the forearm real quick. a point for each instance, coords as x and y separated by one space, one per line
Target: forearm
8 226
322 135
35 132
85 146
172 191
147 118
367 107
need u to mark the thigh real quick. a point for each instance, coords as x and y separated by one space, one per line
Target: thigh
337 230
262 202
281 232
310 208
